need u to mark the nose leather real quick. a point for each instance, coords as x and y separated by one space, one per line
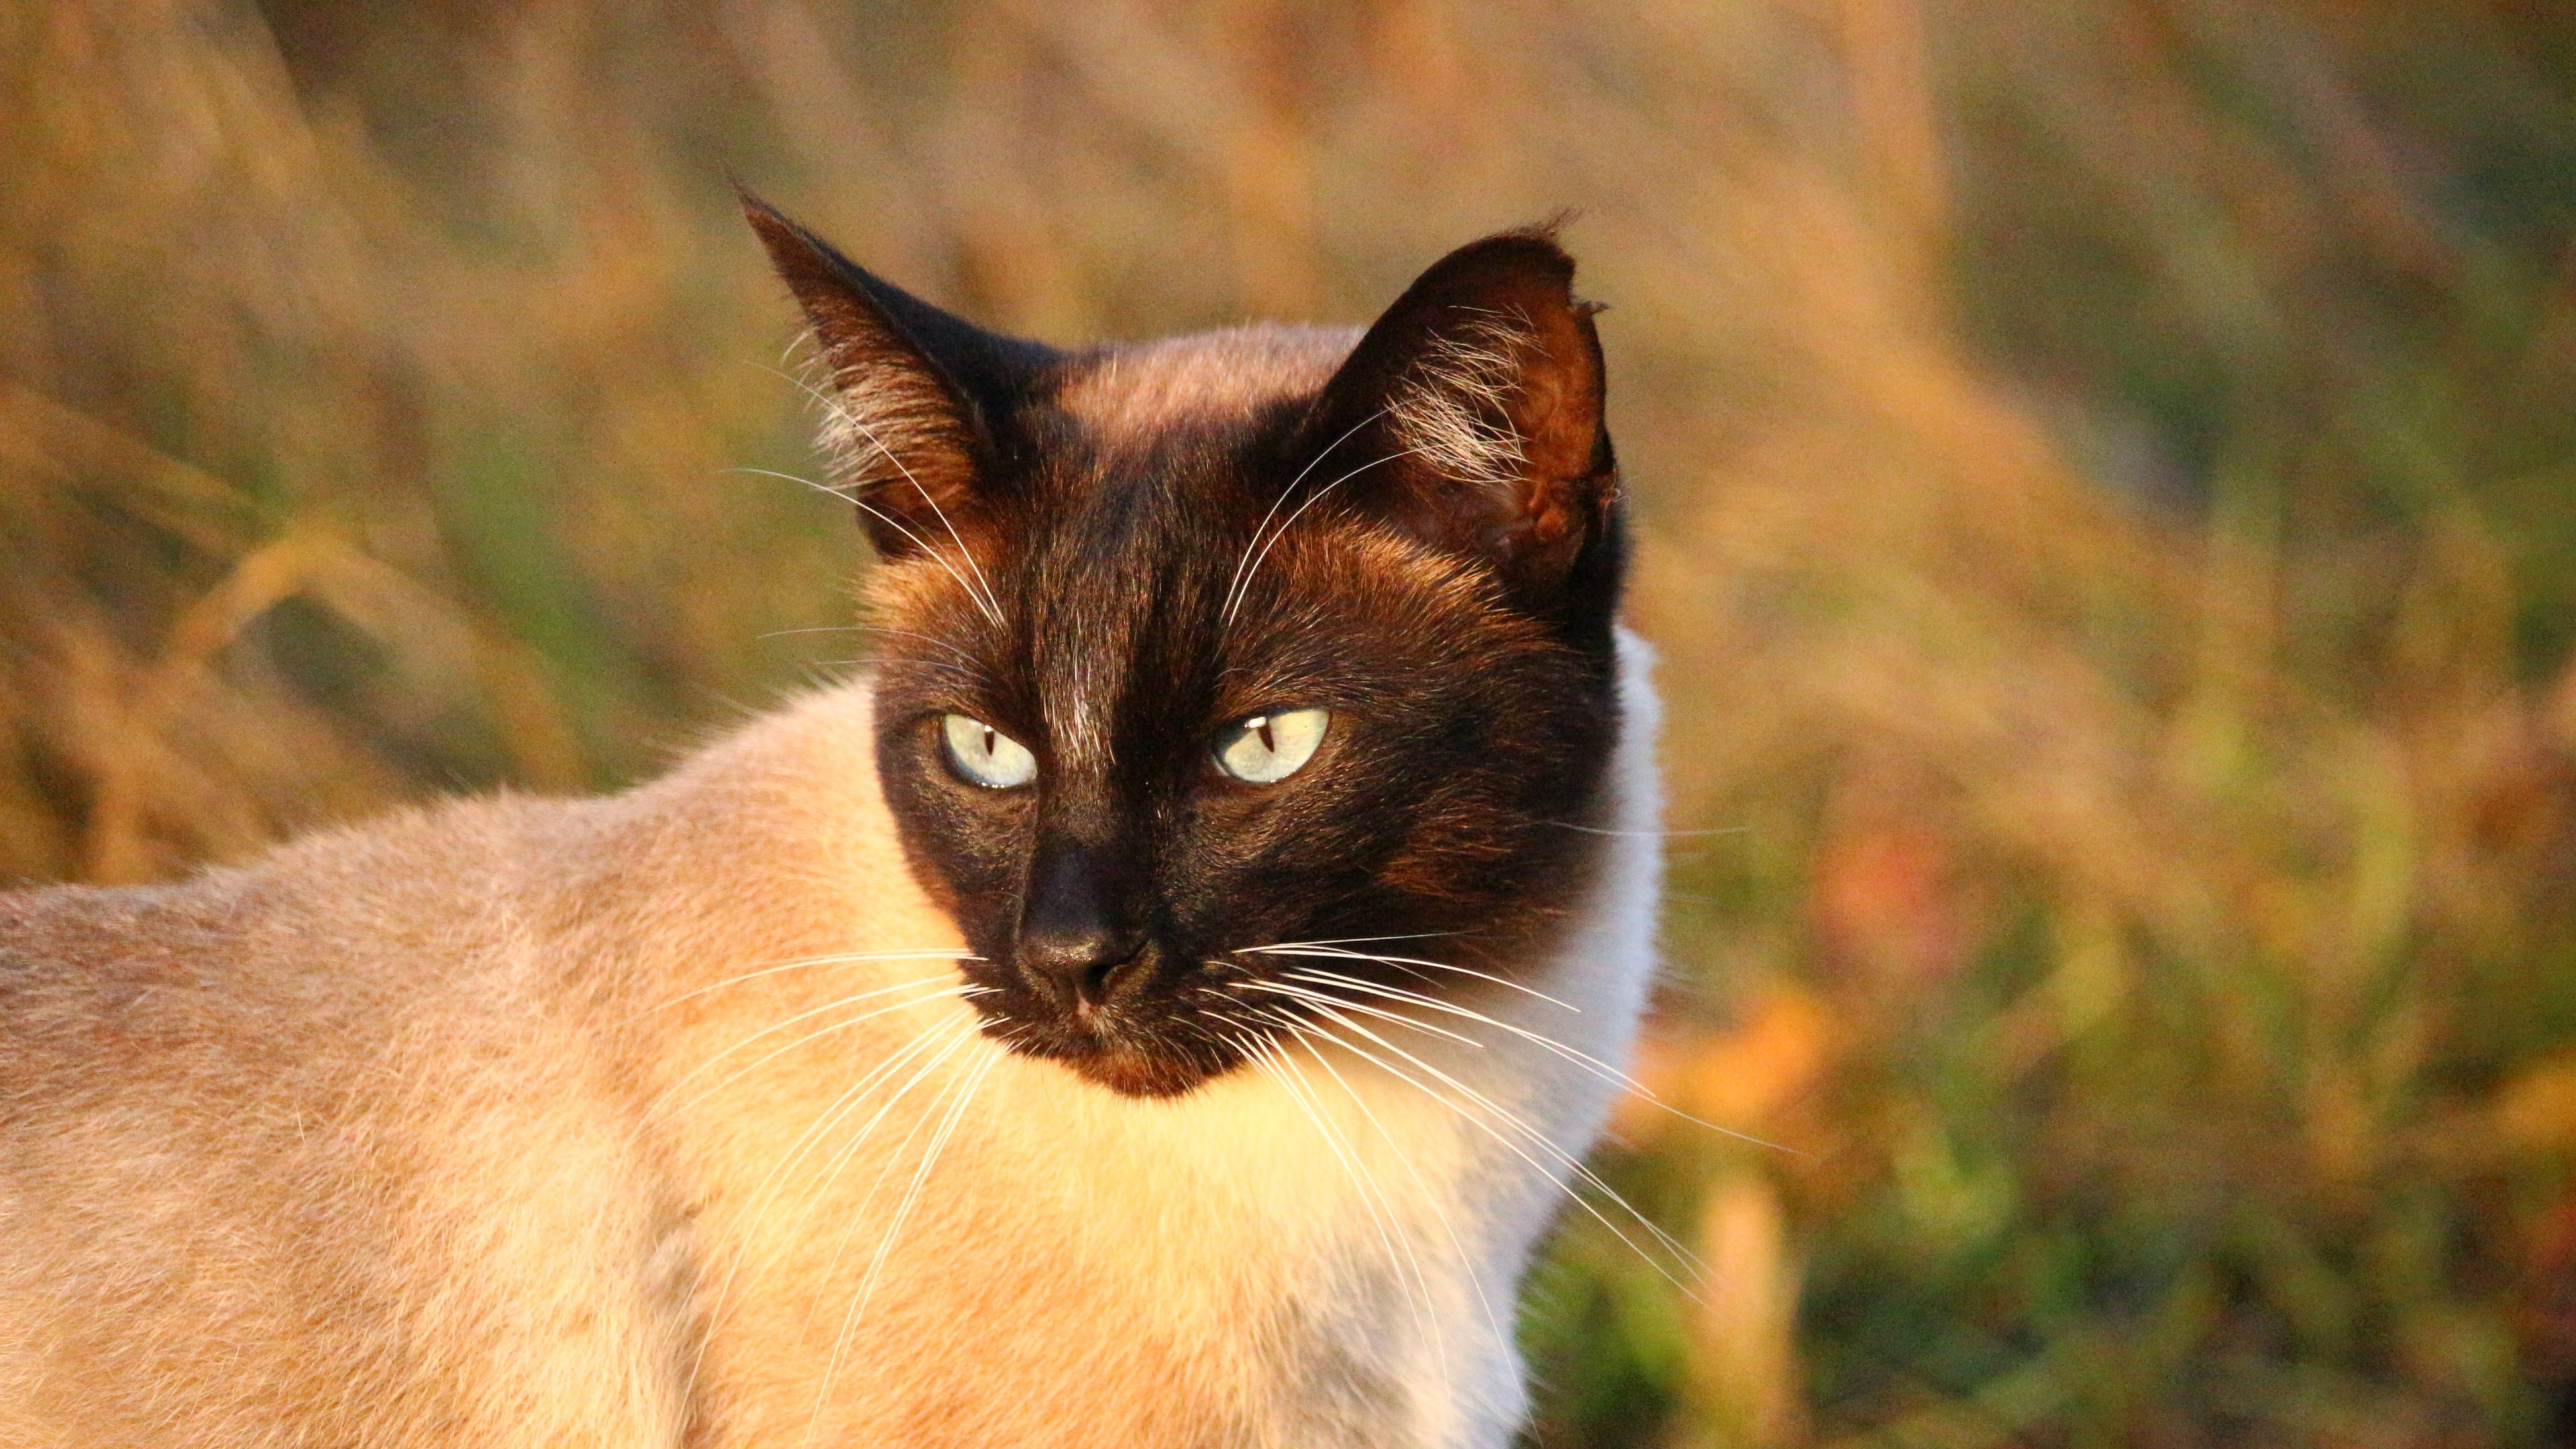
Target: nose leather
1078 932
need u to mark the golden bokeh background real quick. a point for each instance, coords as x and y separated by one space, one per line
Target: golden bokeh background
2107 479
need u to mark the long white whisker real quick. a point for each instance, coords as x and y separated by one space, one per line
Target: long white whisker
970 674
824 488
988 610
693 1073
842 1155
1593 1064
1588 1062
1381 1211
858 1214
973 1080
931 639
776 967
850 1101
1466 1265
1546 1174
1284 495
1309 994
1359 940
1282 531
767 1193
1573 1165
1646 834
1329 952
992 606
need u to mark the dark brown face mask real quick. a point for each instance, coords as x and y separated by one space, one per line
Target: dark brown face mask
1206 652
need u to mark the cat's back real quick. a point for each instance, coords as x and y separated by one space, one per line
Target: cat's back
306 1105
251 961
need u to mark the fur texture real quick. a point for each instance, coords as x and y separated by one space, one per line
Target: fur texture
756 1106
431 1133
1450 409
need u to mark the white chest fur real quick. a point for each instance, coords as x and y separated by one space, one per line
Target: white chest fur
1322 1251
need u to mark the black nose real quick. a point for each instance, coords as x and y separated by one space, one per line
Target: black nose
1078 940
1082 970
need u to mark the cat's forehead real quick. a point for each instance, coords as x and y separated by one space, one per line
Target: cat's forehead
1129 397
1119 572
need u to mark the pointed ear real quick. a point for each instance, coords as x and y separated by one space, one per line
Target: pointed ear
916 400
1470 413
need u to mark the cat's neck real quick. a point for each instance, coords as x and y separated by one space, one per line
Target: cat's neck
1334 1234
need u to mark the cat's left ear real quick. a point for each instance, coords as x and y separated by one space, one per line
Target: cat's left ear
1470 413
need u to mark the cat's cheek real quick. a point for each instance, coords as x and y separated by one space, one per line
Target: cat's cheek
964 852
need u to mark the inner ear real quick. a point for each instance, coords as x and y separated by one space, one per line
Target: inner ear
917 403
1470 413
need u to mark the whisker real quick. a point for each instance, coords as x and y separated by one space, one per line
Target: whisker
1607 1072
851 1100
1590 1063
1360 940
1381 1211
1308 994
923 1000
930 639
1647 834
775 1181
989 610
824 488
773 969
1537 1138
1449 1228
985 600
841 1156
1282 531
973 1081
972 676
1284 494
1320 949
840 1160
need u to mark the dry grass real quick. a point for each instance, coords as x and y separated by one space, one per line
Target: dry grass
2106 474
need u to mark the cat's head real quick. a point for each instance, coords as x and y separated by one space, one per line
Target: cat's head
1217 671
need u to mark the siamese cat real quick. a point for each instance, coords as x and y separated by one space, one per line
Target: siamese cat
1160 1004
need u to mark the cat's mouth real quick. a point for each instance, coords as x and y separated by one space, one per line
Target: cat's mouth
1135 1069
1149 1046
1127 1061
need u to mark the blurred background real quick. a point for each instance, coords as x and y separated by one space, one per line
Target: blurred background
2107 478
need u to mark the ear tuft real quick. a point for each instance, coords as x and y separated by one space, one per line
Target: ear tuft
1474 408
1453 405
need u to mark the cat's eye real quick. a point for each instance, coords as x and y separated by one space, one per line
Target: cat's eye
1268 748
985 755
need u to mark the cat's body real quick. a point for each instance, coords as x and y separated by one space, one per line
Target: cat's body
663 1119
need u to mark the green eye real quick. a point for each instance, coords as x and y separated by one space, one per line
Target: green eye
985 755
1268 748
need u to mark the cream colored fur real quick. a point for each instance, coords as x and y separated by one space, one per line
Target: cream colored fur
461 1128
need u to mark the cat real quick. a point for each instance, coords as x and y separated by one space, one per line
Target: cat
1161 1003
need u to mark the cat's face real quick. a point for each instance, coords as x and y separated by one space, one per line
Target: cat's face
1216 672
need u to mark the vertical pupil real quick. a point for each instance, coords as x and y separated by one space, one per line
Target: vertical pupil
988 742
1261 727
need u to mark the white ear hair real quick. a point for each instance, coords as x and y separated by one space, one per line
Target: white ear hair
875 418
1453 406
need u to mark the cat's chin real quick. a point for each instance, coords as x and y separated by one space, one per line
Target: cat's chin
1128 1069
1138 1074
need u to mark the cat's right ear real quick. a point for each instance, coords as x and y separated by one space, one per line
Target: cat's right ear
916 400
